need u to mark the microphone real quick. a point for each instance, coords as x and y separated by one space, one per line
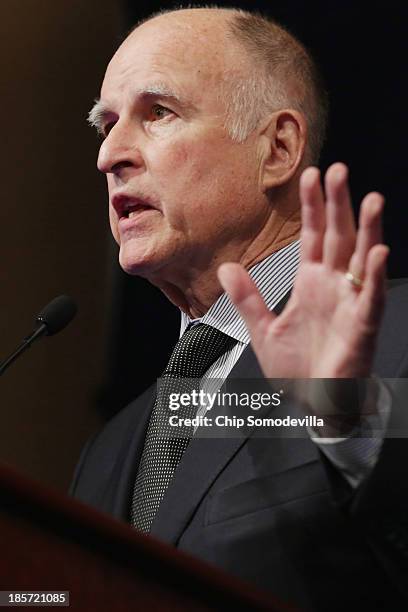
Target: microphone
52 319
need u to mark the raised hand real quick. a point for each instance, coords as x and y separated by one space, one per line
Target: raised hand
329 326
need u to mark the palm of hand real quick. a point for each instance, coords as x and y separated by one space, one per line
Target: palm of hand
322 333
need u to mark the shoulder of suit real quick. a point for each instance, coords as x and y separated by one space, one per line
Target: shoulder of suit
124 422
393 283
392 343
397 293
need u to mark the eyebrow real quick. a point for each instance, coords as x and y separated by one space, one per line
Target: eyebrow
101 109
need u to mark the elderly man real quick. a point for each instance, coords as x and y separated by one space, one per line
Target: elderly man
211 120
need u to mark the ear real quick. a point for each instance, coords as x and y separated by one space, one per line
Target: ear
282 141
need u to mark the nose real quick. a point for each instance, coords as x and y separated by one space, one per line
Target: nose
119 150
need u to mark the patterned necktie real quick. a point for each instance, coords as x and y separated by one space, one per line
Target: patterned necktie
196 350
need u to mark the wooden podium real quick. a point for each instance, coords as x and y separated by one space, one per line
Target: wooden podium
50 542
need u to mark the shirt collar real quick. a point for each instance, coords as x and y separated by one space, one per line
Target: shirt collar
274 277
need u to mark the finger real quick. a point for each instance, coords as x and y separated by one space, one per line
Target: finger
372 296
339 239
244 294
313 215
369 232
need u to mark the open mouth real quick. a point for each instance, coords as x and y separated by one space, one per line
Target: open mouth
133 209
127 206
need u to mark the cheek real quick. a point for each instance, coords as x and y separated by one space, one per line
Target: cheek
190 167
200 178
179 174
182 154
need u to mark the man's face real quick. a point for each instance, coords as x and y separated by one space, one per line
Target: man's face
193 194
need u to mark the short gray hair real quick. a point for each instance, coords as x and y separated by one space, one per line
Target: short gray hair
283 75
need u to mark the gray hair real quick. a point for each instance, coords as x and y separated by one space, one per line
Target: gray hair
283 75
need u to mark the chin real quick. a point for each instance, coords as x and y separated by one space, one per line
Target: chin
136 263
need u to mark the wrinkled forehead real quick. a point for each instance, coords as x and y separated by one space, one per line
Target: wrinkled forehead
196 57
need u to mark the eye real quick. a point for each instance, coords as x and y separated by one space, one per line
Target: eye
159 112
105 129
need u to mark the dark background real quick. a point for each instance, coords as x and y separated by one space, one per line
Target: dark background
55 235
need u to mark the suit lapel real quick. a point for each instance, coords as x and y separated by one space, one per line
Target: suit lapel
120 490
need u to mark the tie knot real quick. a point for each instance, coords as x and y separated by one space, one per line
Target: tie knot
197 349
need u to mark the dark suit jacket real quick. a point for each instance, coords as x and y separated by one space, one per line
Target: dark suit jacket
274 511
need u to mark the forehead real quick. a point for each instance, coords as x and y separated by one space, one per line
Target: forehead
190 57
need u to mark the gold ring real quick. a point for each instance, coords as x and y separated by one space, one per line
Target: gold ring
354 280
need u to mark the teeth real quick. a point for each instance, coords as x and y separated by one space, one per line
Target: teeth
131 213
